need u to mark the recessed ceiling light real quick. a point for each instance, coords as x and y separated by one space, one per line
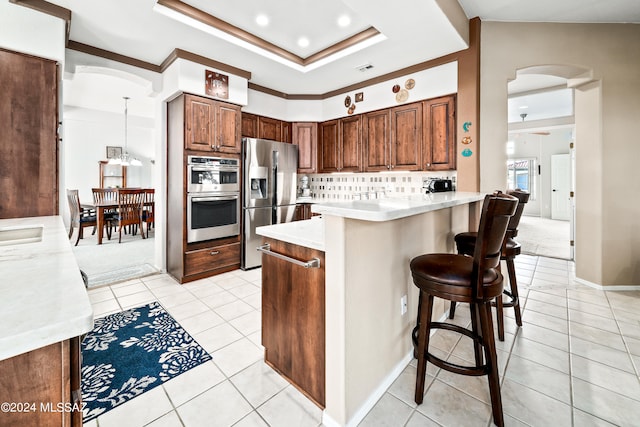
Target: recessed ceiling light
262 20
303 42
344 20
522 107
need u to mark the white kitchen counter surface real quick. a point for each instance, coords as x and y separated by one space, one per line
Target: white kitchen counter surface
308 233
395 207
42 296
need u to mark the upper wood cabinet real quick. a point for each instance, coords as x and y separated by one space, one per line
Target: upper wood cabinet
29 137
393 138
249 125
439 149
211 125
406 137
112 176
376 138
339 145
305 136
254 126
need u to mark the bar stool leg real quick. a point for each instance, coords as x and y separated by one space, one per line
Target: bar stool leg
475 327
500 317
452 309
423 344
513 284
492 362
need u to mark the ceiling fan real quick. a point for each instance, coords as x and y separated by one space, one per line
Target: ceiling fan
545 133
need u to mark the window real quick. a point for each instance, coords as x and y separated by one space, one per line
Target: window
520 174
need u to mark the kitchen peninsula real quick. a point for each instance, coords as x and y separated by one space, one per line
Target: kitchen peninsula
366 303
44 310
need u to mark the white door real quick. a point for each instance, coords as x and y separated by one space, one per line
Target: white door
560 187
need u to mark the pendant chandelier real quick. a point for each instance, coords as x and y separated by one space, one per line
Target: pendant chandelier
125 158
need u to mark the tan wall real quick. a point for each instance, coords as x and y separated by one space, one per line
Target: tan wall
607 175
367 273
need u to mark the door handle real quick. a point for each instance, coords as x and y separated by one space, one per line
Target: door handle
266 249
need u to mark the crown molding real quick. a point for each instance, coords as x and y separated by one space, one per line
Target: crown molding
203 60
96 51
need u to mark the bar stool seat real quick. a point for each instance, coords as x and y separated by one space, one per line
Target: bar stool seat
465 244
475 280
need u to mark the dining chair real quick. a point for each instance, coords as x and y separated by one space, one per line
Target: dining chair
106 195
79 218
148 209
130 204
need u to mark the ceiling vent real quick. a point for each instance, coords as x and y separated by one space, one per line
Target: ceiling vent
365 67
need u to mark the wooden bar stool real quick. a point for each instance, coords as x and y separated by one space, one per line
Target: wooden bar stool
465 243
475 280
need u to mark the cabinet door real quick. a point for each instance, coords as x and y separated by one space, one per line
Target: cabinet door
305 136
406 137
440 137
286 132
293 300
199 123
228 128
249 125
28 140
269 129
328 147
350 150
377 132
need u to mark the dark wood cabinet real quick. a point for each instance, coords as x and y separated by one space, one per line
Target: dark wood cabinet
29 137
302 212
377 137
249 125
211 258
192 261
293 318
269 129
39 381
439 149
254 126
406 137
393 138
305 136
211 126
339 145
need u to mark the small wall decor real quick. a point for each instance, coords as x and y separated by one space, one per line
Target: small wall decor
410 84
359 96
402 95
347 101
467 152
351 109
395 88
466 140
216 84
466 126
114 152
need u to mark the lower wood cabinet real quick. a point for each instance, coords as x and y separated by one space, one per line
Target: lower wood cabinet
211 259
293 318
42 387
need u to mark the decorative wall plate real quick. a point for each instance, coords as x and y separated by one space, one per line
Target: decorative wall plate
347 101
402 96
359 96
395 88
351 109
410 84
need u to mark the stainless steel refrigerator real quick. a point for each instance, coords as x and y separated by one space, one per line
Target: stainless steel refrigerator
269 186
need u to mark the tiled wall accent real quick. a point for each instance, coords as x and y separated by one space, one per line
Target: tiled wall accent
348 186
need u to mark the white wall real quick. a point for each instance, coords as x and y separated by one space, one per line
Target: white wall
541 147
28 31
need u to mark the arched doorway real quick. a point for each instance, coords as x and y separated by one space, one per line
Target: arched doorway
94 119
541 155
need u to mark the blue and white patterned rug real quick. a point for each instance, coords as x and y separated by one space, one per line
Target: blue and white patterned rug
131 352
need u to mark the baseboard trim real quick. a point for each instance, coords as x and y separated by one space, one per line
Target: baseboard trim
608 288
362 412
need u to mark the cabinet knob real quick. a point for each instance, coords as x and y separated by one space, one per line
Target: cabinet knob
428 164
215 252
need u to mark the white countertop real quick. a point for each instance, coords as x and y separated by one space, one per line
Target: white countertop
395 207
43 298
308 233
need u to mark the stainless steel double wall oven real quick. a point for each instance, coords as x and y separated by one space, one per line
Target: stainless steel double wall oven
213 198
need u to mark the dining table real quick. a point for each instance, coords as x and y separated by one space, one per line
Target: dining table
101 207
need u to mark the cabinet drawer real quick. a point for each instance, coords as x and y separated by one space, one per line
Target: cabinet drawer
211 258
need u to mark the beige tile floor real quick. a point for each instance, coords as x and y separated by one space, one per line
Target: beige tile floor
575 362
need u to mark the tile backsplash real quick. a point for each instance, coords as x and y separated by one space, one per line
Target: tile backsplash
348 186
